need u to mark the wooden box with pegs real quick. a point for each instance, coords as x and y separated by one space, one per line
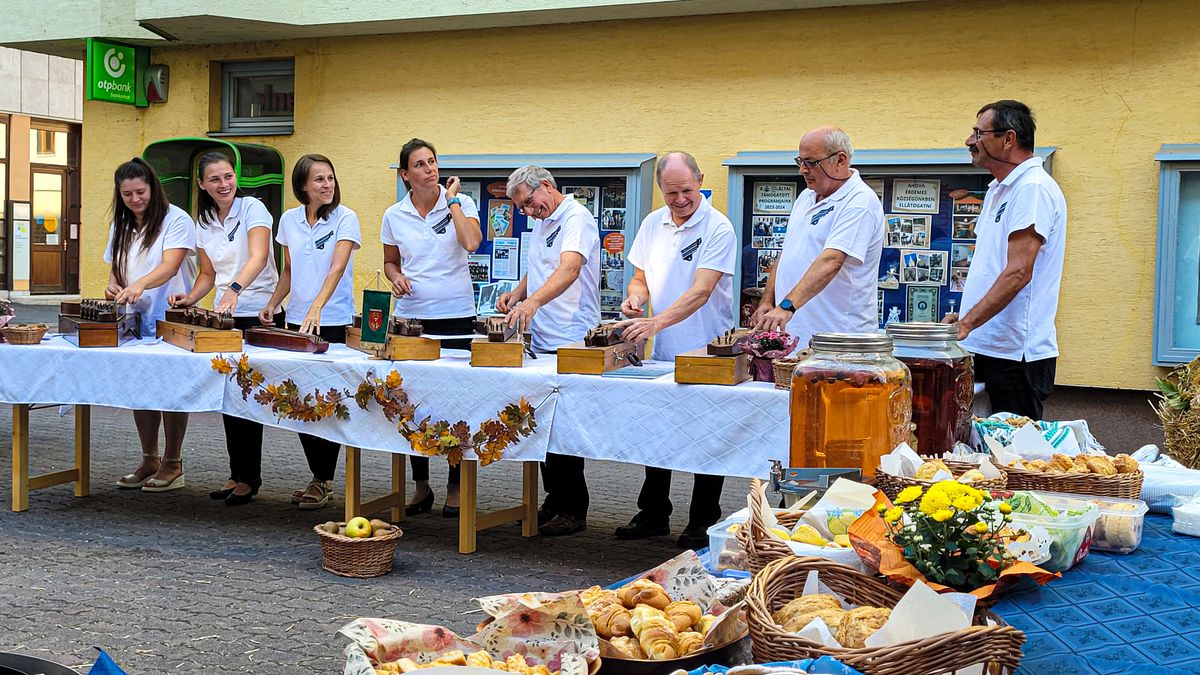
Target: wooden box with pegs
602 350
721 362
403 341
500 345
98 323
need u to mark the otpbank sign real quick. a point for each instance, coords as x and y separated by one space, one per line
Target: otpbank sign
114 72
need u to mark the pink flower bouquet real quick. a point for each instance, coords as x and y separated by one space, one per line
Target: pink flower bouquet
765 346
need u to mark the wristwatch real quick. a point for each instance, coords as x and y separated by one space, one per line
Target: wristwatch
787 304
452 201
235 287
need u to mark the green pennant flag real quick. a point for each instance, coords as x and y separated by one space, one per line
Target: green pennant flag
376 312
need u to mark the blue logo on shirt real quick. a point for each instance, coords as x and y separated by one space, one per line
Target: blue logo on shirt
234 230
690 250
322 240
440 228
821 214
552 237
1001 211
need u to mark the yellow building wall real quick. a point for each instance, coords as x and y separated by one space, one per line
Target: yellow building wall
1108 81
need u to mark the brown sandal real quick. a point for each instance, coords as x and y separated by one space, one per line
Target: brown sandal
316 495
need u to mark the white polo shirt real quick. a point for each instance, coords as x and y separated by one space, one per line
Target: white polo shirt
1025 328
311 251
566 318
670 255
851 221
177 231
227 245
431 258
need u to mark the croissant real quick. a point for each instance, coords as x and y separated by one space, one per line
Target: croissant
684 614
705 624
644 592
628 646
610 619
690 641
641 614
658 638
517 664
596 593
479 659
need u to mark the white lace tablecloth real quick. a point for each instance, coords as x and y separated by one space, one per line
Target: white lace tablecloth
448 388
142 375
701 428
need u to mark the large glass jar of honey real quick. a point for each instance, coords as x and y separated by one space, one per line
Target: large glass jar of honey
851 403
943 383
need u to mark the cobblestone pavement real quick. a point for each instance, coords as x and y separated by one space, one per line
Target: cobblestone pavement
175 582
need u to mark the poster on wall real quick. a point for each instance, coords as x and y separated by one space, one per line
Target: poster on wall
922 303
473 190
612 219
768 231
588 195
958 279
915 196
480 267
526 238
500 219
905 231
774 197
504 258
880 309
961 255
967 202
889 261
613 197
963 227
876 184
923 267
766 260
489 294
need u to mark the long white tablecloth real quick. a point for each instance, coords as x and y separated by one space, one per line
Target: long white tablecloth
733 431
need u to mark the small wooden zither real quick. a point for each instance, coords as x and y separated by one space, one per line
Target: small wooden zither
198 330
405 326
495 328
603 349
285 339
728 343
403 341
721 362
500 345
95 322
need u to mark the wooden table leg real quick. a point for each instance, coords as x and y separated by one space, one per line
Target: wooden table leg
353 481
83 450
468 502
20 457
529 498
399 465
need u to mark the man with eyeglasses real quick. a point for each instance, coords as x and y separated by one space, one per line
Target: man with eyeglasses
557 301
1010 298
826 275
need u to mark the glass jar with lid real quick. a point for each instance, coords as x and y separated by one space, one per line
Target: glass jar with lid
943 383
850 404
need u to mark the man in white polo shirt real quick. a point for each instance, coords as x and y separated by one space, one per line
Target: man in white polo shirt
557 301
683 257
825 278
1011 295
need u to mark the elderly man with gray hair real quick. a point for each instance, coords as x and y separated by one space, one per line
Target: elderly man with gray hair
557 301
825 278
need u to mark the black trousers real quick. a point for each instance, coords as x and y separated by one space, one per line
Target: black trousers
460 326
243 437
654 500
566 486
322 455
1018 387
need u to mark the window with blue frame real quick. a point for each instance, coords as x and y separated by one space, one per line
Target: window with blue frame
1177 284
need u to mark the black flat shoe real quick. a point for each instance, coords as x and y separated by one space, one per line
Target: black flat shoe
234 499
423 506
450 511
561 525
545 515
694 538
217 495
641 527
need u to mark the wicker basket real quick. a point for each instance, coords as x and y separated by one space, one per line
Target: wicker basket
786 366
997 645
361 558
761 548
892 485
1122 485
24 333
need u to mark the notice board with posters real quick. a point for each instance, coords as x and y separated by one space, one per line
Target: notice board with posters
615 188
931 201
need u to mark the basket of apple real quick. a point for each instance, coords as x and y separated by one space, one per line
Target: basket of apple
359 547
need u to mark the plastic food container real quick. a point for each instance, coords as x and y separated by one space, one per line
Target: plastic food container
1071 531
724 551
1119 529
1187 518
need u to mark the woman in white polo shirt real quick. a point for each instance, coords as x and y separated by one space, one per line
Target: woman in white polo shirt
234 246
426 237
148 242
318 239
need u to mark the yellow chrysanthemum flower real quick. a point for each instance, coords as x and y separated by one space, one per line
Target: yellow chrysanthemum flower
943 515
965 503
908 494
981 527
893 514
1005 508
934 501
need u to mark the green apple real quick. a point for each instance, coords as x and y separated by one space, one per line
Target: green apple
357 528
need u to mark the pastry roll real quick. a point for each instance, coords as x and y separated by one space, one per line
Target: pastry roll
658 638
640 614
1060 463
930 468
610 618
684 614
690 641
705 624
644 592
1100 464
628 646
831 617
479 659
859 624
972 476
1038 465
805 604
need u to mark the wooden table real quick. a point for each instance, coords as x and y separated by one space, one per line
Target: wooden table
23 482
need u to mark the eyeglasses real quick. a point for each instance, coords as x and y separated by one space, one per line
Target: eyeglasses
977 134
811 163
524 205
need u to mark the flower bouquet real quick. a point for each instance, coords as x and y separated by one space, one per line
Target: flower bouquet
950 535
765 346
